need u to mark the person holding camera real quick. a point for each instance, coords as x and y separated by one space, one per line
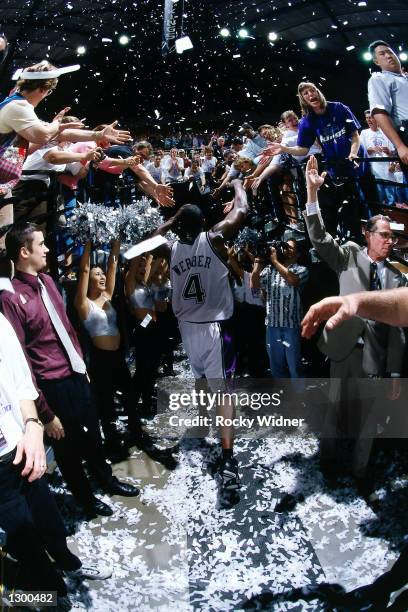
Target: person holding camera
282 280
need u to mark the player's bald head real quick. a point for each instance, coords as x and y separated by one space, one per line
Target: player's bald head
189 221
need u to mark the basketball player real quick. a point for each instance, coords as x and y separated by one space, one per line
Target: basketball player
203 304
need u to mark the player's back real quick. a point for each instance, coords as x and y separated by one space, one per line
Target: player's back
200 282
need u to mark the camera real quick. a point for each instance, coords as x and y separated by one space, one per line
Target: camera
101 153
263 249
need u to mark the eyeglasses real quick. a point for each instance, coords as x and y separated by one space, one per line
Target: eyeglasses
387 236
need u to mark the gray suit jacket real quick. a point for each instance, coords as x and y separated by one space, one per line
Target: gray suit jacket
383 345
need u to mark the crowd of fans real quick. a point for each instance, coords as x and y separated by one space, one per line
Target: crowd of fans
123 313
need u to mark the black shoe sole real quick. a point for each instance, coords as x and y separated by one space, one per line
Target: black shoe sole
122 494
92 513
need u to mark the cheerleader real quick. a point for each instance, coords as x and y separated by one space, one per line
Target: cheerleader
108 370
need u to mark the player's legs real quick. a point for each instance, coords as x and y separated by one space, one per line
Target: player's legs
209 349
219 364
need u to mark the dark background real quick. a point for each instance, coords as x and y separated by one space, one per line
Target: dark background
204 87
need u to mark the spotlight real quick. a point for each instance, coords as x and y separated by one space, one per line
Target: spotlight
183 44
224 32
272 36
243 33
311 44
124 39
81 50
403 56
367 56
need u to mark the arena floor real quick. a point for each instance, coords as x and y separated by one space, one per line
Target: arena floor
173 548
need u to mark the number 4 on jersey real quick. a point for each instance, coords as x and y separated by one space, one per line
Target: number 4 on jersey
193 289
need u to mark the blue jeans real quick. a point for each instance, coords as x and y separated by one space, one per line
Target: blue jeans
283 347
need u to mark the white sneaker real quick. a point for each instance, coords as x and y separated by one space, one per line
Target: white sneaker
90 572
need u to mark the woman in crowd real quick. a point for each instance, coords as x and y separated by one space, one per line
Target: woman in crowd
108 370
208 165
146 339
280 168
173 167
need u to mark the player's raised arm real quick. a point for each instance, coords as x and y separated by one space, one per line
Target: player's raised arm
235 218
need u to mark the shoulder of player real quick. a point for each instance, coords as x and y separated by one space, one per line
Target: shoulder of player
215 237
217 243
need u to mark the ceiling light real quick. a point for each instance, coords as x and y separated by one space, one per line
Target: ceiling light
124 39
403 56
272 36
81 50
311 44
224 32
243 33
367 56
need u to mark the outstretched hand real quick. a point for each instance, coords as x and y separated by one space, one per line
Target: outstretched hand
228 207
272 149
314 180
163 195
334 310
255 185
115 136
62 113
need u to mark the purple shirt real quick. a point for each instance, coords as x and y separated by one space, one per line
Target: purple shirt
27 314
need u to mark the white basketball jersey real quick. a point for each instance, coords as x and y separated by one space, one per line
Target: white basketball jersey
200 283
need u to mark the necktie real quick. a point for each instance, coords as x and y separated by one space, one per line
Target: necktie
375 283
76 361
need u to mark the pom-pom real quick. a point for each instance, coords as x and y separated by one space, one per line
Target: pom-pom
138 221
103 224
93 222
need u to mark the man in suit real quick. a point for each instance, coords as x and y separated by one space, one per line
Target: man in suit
359 348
